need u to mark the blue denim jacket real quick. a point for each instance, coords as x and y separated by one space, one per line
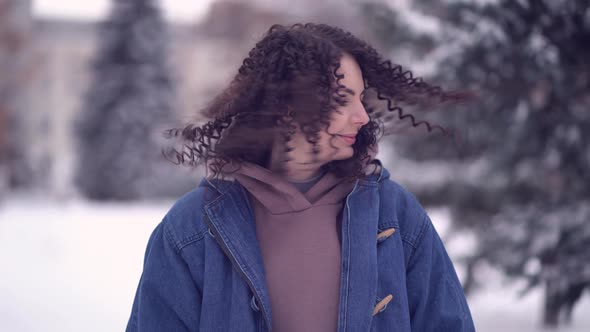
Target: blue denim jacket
203 270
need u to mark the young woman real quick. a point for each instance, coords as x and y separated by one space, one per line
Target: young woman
299 228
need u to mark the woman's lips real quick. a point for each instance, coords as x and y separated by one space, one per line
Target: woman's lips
348 139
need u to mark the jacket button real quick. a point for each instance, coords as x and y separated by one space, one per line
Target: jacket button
382 304
253 304
385 234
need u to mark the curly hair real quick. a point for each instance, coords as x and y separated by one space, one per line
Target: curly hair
290 78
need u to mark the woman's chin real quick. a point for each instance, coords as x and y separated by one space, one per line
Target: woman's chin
344 153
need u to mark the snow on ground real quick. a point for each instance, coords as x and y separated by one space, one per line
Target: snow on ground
74 266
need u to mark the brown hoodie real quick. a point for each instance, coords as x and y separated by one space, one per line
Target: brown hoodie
299 238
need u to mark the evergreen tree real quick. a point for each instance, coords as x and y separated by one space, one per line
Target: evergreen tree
530 205
15 75
127 105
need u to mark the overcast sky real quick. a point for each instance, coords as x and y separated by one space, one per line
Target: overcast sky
178 10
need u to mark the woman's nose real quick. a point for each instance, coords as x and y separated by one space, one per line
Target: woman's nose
360 116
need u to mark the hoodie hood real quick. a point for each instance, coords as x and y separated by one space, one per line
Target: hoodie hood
280 196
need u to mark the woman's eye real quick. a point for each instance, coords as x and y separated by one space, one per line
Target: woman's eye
342 101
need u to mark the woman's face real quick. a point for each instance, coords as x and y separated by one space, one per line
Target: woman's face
344 123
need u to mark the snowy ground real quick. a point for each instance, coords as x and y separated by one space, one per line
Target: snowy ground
74 266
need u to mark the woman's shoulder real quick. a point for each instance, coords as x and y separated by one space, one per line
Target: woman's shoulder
402 206
184 220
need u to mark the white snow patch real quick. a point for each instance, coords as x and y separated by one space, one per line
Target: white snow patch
75 267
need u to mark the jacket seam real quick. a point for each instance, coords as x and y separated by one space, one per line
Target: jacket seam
408 242
389 224
179 245
345 295
170 237
232 252
369 183
419 238
192 239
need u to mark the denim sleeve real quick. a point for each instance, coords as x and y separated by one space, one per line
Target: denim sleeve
167 298
435 295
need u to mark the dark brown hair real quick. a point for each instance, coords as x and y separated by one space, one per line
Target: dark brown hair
290 78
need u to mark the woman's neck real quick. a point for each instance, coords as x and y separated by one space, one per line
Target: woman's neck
295 169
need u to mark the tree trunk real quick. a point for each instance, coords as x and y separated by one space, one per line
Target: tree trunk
551 306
